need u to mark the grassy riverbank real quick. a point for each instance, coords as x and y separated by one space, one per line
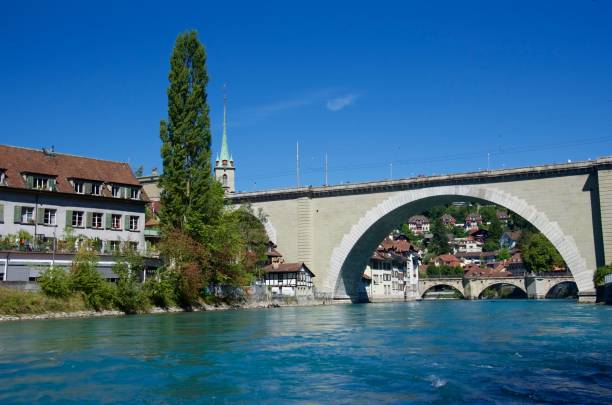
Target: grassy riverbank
25 305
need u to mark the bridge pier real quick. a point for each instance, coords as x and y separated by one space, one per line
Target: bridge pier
587 297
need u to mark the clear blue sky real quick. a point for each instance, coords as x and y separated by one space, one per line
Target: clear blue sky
430 86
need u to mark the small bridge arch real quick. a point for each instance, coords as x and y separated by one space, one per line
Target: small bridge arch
475 287
427 284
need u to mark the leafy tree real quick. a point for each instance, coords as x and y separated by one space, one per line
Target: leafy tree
191 199
458 232
55 282
490 245
130 296
161 289
254 238
504 254
444 271
601 273
488 213
439 242
539 255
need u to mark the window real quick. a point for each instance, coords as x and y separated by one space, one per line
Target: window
134 193
116 221
95 189
133 246
224 182
79 187
2 177
116 191
27 215
41 183
49 218
96 220
133 223
77 219
114 246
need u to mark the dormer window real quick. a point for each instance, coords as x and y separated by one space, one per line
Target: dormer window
134 193
2 177
95 189
41 183
116 191
79 187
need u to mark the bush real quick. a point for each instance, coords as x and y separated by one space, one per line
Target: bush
161 288
84 277
601 273
15 302
189 285
55 282
129 296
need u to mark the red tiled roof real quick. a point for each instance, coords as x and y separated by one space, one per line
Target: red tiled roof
273 253
418 218
286 268
487 272
16 161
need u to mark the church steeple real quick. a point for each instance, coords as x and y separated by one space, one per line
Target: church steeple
224 164
225 155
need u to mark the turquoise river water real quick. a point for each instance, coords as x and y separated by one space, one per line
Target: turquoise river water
434 352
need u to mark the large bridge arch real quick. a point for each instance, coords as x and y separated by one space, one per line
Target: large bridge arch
349 257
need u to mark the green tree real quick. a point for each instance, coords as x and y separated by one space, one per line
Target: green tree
504 254
539 255
55 282
140 171
191 199
488 212
161 288
439 241
601 273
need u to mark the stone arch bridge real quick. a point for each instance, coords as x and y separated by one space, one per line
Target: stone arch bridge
334 229
534 287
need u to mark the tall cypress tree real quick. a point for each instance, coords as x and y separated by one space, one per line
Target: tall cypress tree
191 199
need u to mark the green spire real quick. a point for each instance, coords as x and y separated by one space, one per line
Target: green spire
225 155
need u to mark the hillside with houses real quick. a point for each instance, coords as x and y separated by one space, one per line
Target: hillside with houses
458 240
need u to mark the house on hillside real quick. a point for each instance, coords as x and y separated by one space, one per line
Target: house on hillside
472 221
468 244
503 216
479 235
510 239
447 260
418 224
448 220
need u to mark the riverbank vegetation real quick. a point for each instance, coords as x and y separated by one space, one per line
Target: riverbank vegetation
600 274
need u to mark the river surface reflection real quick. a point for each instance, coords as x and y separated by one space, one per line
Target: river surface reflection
453 351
